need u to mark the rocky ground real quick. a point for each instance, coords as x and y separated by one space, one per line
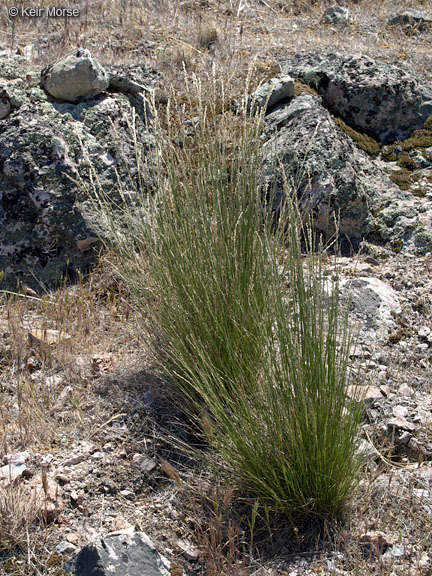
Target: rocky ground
85 426
86 412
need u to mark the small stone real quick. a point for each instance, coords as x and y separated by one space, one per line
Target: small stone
143 463
77 498
371 260
17 458
337 15
119 523
363 268
126 493
120 553
77 459
424 562
404 438
410 17
385 390
405 390
44 339
363 392
65 548
379 540
73 538
188 550
11 471
5 108
98 456
61 478
273 92
394 552
400 411
399 423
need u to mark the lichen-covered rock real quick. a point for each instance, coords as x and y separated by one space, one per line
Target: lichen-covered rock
333 177
337 15
274 92
5 108
136 82
48 228
122 553
374 97
411 18
76 76
5 105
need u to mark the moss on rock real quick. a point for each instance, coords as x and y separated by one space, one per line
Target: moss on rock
303 88
363 141
404 178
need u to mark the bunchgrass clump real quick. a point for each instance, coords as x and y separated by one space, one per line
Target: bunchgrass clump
241 315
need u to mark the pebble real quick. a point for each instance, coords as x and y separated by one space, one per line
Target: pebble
400 423
395 552
425 562
188 550
16 458
400 411
65 547
77 459
143 463
405 390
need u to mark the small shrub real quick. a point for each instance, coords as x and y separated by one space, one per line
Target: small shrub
405 161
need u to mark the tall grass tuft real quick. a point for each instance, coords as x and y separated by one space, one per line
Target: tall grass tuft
241 314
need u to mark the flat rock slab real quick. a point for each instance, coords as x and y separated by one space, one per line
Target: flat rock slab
374 97
124 553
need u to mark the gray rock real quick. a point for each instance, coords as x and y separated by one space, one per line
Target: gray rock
123 553
421 161
337 15
394 553
9 472
17 458
324 167
306 153
76 76
145 464
273 92
5 108
136 82
399 423
371 303
48 226
411 18
374 97
65 547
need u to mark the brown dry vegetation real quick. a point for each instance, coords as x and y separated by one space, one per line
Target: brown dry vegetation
92 386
